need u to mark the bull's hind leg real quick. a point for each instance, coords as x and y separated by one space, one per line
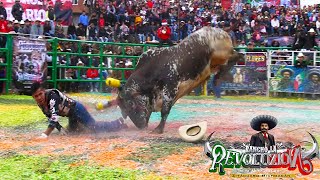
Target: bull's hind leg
167 102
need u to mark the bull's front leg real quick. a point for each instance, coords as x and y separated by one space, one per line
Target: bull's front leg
168 97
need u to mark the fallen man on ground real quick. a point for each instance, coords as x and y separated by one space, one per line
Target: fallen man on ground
55 104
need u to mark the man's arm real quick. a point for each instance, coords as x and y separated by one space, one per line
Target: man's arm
47 132
53 99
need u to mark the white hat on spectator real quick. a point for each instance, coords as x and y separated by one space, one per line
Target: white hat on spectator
129 63
191 9
311 30
300 54
47 19
16 22
40 37
1 16
80 63
183 8
22 22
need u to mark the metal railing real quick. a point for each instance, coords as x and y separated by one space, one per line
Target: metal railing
106 61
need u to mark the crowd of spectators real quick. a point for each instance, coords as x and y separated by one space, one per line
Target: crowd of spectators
122 20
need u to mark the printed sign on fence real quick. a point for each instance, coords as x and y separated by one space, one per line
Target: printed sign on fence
256 59
293 79
247 78
29 61
38 9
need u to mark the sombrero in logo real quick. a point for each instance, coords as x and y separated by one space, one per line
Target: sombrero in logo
270 120
193 132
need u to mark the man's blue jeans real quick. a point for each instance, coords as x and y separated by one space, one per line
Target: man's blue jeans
81 115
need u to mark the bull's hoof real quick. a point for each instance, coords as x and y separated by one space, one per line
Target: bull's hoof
157 131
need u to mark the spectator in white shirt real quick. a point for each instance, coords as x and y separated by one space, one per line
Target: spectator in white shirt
318 26
275 24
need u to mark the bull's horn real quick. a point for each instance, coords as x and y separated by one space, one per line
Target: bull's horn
207 147
113 82
314 151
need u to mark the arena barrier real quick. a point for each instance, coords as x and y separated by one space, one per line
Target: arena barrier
5 66
67 61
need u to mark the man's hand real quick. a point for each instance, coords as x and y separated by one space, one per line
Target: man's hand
42 136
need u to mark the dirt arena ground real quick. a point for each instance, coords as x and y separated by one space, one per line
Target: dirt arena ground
166 155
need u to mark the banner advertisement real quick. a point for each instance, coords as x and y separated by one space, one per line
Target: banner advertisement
295 80
29 62
38 9
251 77
226 4
247 78
256 59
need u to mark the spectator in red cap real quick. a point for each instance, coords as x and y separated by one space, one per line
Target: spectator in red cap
3 29
164 33
3 25
50 12
149 4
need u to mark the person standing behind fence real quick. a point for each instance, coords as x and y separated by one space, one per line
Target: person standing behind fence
299 38
310 40
81 32
84 19
164 34
50 12
36 29
17 11
3 11
92 31
27 27
3 29
102 34
93 74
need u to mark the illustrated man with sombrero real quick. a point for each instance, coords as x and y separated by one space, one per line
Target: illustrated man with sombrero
286 81
263 123
313 86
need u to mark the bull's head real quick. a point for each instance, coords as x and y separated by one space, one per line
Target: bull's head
136 106
224 72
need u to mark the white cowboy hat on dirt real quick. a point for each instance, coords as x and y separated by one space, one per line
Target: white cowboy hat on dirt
193 132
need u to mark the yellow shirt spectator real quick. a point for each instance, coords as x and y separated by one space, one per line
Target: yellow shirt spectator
138 20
